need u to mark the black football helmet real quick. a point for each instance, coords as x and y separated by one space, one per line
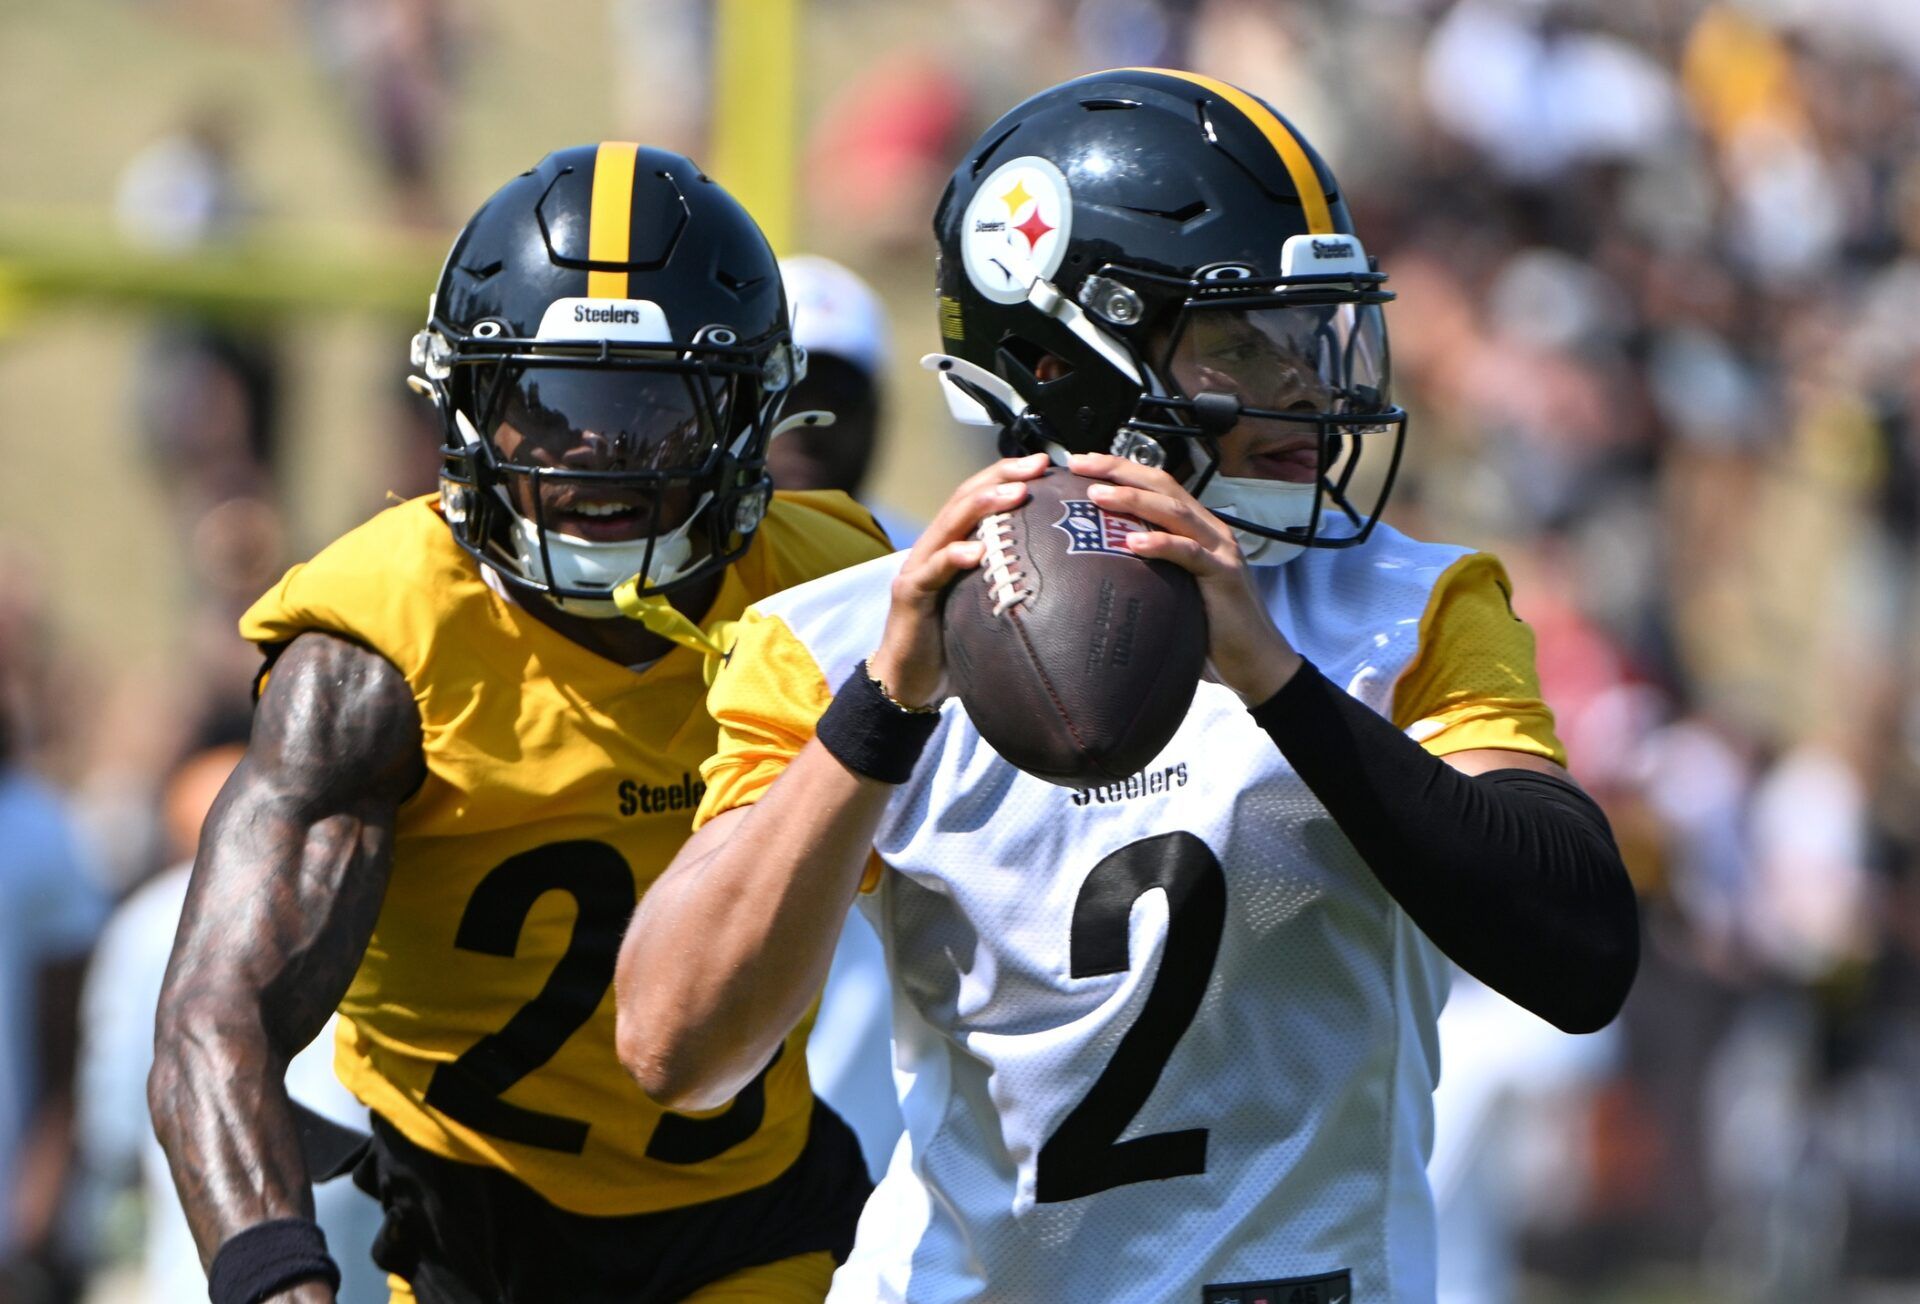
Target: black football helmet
608 348
1125 223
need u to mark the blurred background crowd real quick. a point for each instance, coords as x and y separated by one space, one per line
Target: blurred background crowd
1658 266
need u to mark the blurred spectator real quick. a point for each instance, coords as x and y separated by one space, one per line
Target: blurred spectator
1537 94
839 321
206 394
663 51
1502 1151
179 192
1135 33
396 62
50 910
122 993
882 150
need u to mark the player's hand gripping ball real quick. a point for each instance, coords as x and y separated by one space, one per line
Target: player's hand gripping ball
1075 659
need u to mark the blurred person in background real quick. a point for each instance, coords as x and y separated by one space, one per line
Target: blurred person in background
50 911
842 325
397 64
206 393
476 745
663 59
116 1143
880 145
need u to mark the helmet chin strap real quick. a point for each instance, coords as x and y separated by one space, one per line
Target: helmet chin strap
816 417
663 618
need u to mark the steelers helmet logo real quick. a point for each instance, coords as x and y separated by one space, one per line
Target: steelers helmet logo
1016 228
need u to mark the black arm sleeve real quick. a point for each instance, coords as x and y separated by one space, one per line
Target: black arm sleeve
1513 874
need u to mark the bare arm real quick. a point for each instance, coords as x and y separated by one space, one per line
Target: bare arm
733 942
292 868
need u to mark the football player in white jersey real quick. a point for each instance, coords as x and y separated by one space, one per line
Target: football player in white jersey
1171 1039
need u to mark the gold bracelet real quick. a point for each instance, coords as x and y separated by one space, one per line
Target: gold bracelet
930 709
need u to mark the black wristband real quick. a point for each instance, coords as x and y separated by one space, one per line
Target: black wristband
871 734
268 1257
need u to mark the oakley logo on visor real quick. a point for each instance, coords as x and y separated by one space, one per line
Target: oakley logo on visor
630 321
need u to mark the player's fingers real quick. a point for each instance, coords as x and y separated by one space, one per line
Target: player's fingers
1187 554
925 579
997 488
1178 515
1126 471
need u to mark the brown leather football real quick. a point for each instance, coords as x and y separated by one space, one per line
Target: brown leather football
1075 659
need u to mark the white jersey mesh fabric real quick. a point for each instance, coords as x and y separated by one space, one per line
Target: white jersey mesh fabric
1158 1035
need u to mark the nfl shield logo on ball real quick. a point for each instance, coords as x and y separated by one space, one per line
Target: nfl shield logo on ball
1090 529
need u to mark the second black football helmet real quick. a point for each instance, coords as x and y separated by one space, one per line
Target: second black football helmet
608 347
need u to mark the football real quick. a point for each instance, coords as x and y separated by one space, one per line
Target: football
1075 659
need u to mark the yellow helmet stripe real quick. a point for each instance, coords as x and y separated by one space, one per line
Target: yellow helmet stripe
1287 145
610 222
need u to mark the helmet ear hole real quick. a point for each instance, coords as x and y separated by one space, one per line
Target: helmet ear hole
1019 362
1037 365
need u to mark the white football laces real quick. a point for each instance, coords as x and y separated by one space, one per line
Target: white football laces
1004 582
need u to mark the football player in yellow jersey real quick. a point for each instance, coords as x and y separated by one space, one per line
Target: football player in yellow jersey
1171 1038
477 743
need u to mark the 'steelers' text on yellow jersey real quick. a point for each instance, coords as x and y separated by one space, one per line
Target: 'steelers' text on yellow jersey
559 786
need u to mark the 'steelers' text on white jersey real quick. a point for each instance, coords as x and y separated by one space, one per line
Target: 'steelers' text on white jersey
1159 1036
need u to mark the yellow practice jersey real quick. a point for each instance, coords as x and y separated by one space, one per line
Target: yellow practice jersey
559 786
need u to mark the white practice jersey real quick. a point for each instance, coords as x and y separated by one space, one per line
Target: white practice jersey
1167 1040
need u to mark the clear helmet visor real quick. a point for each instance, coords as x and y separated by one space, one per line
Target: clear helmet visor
1282 394
605 470
609 420
1325 359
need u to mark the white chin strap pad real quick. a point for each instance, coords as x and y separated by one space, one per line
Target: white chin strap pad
1272 504
585 564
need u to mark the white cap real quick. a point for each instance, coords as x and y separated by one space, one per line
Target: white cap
835 312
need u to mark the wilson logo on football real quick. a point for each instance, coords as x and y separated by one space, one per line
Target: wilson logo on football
1089 528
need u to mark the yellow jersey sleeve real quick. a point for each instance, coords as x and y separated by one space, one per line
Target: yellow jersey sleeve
1472 683
809 533
766 700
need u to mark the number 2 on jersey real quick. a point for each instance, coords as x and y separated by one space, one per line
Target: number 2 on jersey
1085 1155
